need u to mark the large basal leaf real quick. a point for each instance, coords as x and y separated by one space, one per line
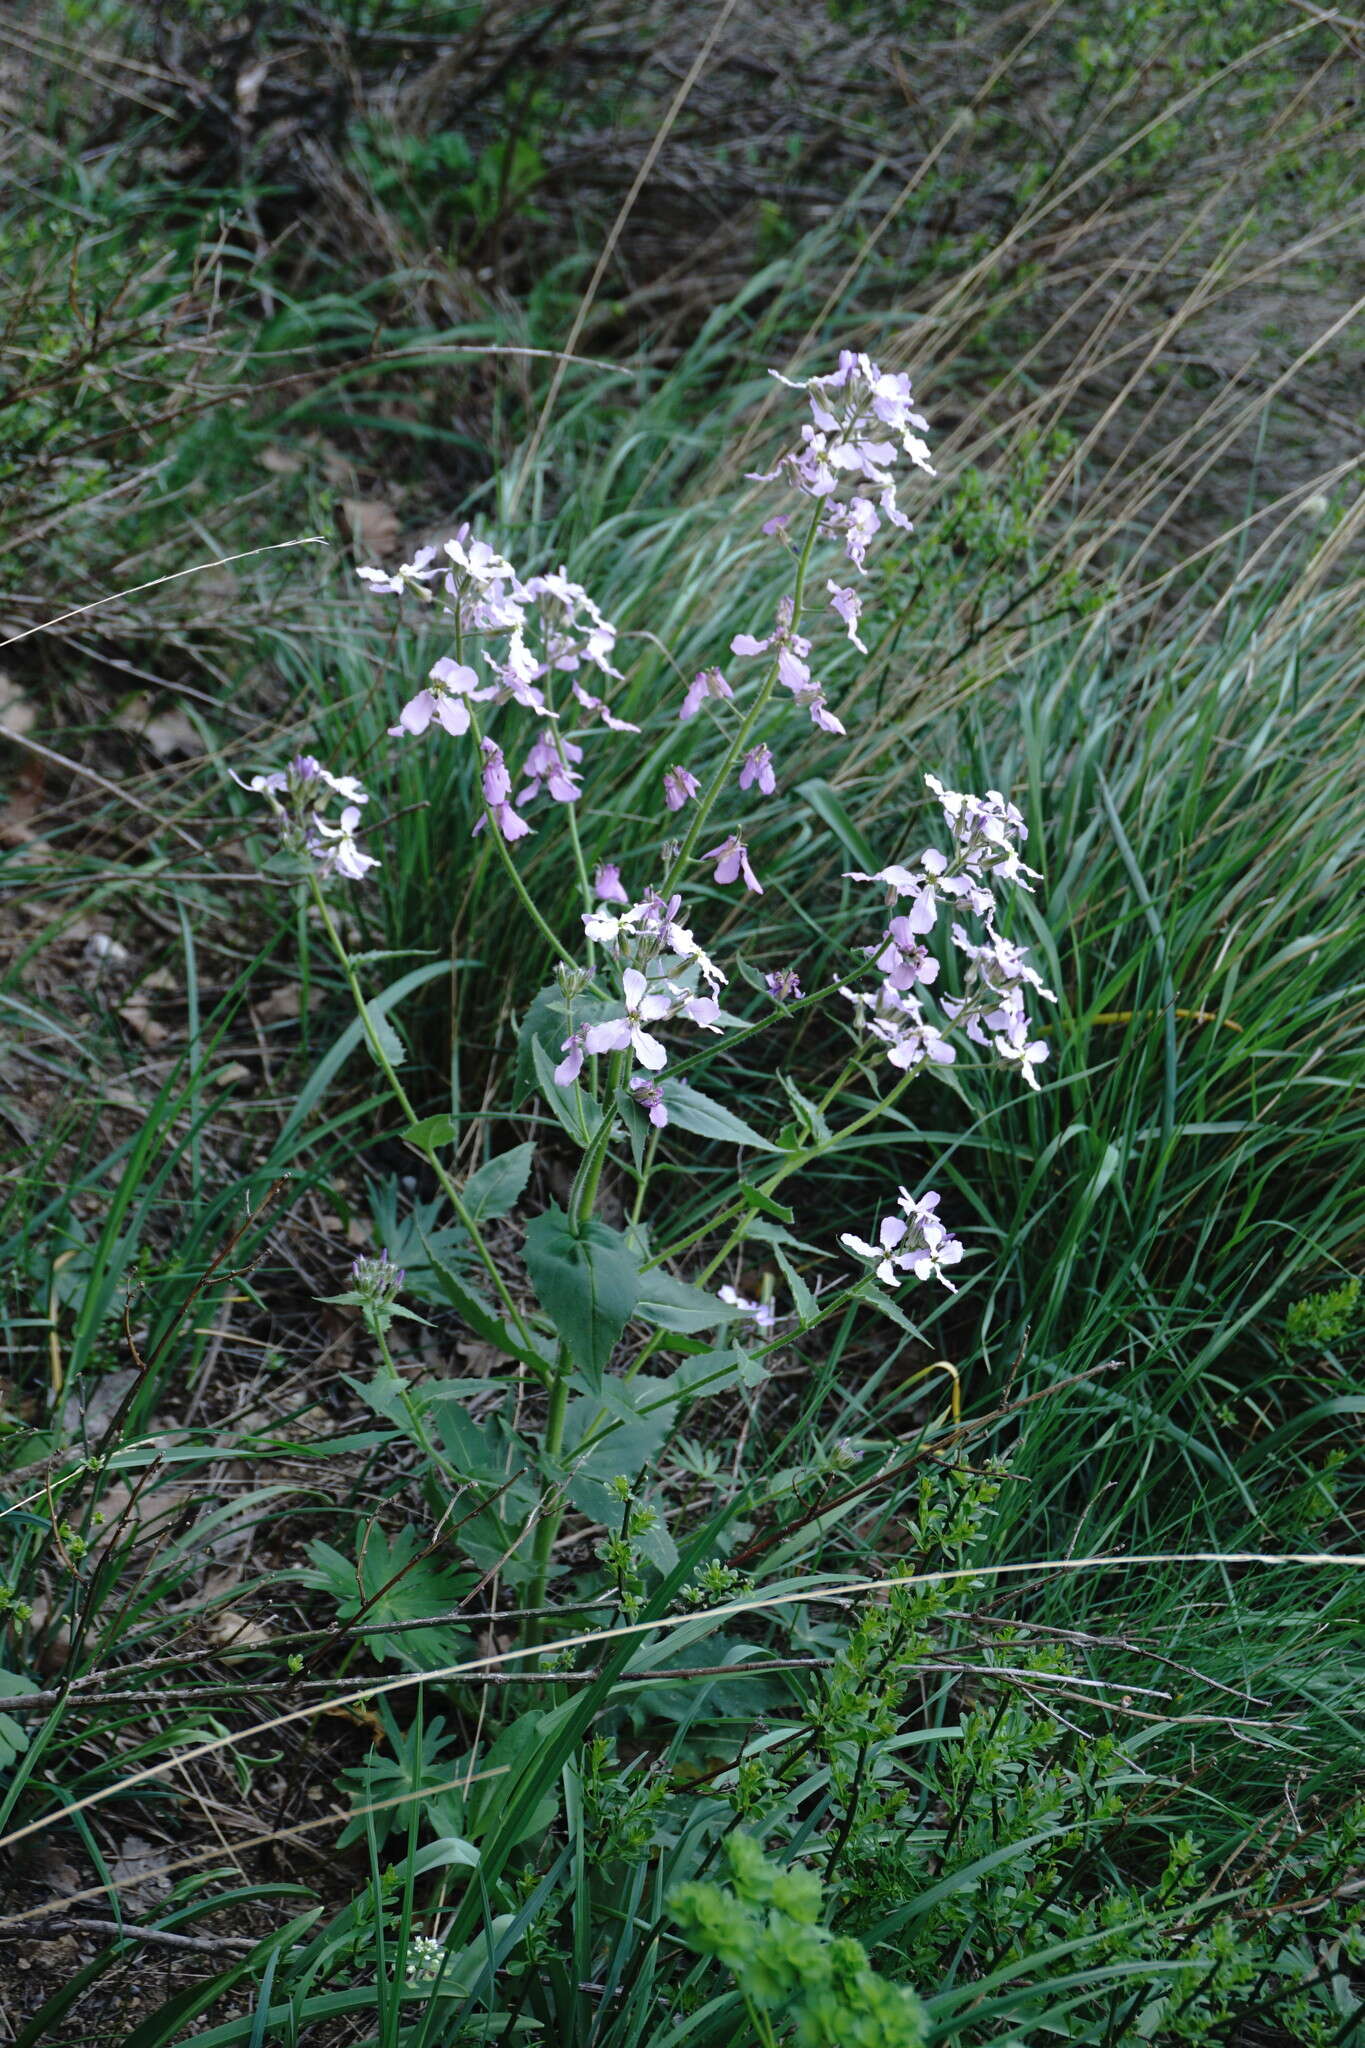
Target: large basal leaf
588 1283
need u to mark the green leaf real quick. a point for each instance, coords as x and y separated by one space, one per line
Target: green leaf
692 1111
430 1133
760 1199
673 1304
393 1580
544 1025
588 1283
13 1734
497 1186
810 1117
569 1106
390 1043
807 1307
481 1317
828 807
506 1768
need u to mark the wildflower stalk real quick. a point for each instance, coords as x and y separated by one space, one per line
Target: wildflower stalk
504 855
706 801
582 1202
400 1096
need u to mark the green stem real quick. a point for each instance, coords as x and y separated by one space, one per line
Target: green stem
513 876
400 1096
551 1511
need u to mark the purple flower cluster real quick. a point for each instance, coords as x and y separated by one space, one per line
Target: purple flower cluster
993 1010
862 421
913 1242
299 796
793 669
553 629
661 968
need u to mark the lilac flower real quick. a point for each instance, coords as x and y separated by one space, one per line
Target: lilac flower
861 422
904 882
450 688
477 561
297 795
595 708
336 846
305 778
732 861
571 1066
647 928
708 682
703 1011
607 886
986 831
549 764
649 1096
790 647
901 957
845 600
914 1242
784 986
820 714
763 1313
569 641
643 1006
758 767
516 677
680 786
497 789
414 575
899 1021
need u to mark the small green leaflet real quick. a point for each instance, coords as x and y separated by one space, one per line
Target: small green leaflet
431 1133
764 1203
385 1036
498 1186
587 1282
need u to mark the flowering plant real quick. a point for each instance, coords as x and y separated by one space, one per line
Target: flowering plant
634 989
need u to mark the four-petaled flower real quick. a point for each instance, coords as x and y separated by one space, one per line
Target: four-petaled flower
758 767
497 789
649 1097
337 846
732 861
784 985
451 688
644 1004
680 786
549 763
607 886
845 600
708 682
